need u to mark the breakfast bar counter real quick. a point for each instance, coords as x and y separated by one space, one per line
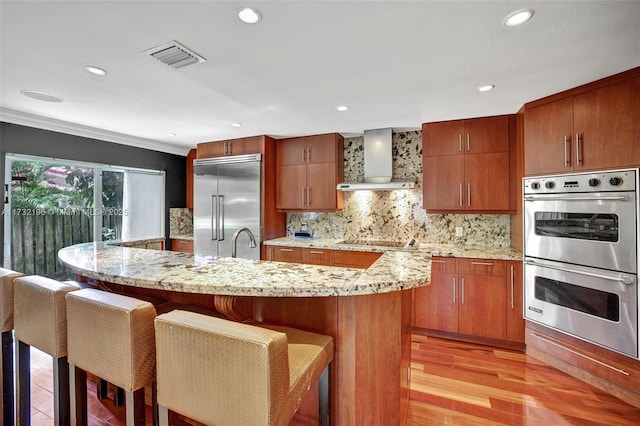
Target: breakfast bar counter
367 312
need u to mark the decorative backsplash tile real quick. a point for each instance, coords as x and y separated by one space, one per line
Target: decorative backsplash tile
180 222
398 215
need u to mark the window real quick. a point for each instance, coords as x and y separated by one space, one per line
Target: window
52 203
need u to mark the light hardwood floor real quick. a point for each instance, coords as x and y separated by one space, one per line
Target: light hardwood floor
452 383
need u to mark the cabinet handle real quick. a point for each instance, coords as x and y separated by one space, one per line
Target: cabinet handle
308 154
309 196
459 142
454 290
229 144
286 250
225 148
468 194
468 143
512 283
567 159
302 154
316 252
302 197
437 261
578 156
462 284
460 194
482 263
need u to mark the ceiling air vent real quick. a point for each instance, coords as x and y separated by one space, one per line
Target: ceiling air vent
174 54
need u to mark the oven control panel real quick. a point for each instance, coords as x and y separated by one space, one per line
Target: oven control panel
607 181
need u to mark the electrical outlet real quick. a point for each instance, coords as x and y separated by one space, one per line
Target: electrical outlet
459 231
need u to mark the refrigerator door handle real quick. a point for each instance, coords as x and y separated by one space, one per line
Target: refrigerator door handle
214 218
221 216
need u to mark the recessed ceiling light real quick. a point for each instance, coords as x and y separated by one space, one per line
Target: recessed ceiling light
95 70
485 88
342 108
249 15
236 124
41 96
173 135
518 17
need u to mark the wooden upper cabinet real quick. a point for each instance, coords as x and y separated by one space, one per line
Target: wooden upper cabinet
475 135
308 170
592 127
241 146
466 165
547 135
607 123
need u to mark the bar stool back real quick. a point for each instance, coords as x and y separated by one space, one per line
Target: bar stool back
6 327
111 336
40 320
221 372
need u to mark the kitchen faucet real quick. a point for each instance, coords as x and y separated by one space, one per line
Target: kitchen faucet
235 240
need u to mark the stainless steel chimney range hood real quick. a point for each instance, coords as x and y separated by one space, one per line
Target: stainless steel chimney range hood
378 162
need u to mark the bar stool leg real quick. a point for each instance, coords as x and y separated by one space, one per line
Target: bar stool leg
79 392
102 389
61 413
7 378
24 384
135 407
323 396
118 397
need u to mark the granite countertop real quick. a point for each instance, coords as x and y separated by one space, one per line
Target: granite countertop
135 241
441 250
183 272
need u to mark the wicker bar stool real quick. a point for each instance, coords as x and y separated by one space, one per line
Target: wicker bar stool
111 336
6 327
221 372
40 320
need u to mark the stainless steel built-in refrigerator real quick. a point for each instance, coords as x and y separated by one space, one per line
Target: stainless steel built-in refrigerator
227 197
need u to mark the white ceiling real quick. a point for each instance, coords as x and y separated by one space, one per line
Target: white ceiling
394 63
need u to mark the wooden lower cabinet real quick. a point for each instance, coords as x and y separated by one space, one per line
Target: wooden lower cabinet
472 297
184 246
319 256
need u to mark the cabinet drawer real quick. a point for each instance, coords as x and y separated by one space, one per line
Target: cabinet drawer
287 254
315 256
443 264
355 259
482 267
185 246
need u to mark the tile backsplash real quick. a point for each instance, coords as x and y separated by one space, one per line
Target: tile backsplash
398 215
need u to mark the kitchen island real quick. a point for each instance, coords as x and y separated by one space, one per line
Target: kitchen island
367 312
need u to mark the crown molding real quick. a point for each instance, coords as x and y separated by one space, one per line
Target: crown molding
45 123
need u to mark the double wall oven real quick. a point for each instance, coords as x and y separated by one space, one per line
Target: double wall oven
581 256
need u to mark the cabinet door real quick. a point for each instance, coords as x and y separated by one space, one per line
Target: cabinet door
490 134
481 311
436 305
317 256
287 254
443 138
184 246
212 149
321 187
242 146
486 185
320 148
515 320
607 121
291 187
546 128
443 182
291 151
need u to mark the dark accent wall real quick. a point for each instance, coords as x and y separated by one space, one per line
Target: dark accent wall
24 140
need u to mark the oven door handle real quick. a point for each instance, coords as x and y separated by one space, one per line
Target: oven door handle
624 279
543 198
